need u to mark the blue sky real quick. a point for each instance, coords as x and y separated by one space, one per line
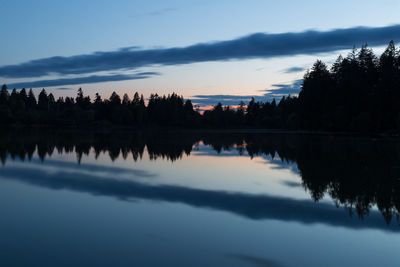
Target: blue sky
135 37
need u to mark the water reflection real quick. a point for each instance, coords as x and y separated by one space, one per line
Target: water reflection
357 173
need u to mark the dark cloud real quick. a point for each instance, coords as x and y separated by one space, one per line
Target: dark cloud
279 164
277 92
294 69
130 48
285 89
256 207
209 100
224 152
82 80
291 184
64 88
92 170
256 261
259 45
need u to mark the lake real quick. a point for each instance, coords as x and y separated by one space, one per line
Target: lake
176 198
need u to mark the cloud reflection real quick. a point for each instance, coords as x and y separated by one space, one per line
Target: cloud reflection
247 205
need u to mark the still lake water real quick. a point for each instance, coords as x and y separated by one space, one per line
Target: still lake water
72 198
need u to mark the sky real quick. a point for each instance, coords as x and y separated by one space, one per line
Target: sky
208 51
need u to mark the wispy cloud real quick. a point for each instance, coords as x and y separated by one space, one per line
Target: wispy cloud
82 80
294 69
277 92
291 184
258 45
285 89
209 100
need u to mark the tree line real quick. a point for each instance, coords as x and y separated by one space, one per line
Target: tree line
23 108
360 92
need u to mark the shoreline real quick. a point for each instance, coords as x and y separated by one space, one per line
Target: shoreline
116 128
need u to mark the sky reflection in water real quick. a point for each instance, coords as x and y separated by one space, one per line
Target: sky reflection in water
220 198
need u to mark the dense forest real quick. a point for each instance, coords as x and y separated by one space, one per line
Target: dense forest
360 92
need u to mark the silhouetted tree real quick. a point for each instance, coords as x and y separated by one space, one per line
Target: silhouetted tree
360 92
43 100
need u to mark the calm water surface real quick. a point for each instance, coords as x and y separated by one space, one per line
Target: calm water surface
71 198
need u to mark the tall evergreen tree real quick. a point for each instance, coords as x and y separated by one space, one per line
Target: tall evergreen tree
43 100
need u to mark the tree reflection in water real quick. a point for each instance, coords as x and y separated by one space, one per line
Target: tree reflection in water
356 172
